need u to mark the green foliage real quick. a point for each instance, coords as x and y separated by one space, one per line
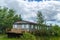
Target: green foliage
3 37
56 30
28 36
52 30
7 18
40 19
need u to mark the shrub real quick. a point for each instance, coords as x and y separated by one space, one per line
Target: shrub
28 36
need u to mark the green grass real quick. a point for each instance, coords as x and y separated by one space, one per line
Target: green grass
4 37
48 38
9 39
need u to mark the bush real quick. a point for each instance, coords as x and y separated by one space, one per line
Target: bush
28 36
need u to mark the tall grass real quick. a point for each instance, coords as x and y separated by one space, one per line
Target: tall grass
28 36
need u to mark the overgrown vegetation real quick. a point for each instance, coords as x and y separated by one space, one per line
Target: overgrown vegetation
46 32
3 37
28 36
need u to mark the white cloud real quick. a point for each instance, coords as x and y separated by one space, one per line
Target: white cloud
2 3
28 10
57 17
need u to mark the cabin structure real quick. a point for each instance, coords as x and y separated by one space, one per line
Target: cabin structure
26 25
20 27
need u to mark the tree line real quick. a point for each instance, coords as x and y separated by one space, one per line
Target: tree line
7 18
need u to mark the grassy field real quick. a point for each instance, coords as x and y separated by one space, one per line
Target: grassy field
41 38
48 38
4 37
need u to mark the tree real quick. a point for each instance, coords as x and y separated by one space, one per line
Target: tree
40 19
7 18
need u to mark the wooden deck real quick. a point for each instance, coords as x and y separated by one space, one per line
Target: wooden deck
18 32
15 32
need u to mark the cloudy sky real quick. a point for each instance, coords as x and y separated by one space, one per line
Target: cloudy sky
28 9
